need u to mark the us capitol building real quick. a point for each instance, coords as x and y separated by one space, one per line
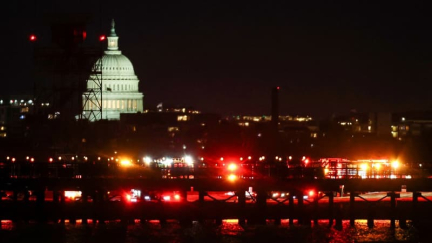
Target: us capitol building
120 92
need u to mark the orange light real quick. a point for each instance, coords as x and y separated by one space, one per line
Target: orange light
177 197
232 177
125 163
232 167
72 194
128 197
377 166
395 164
306 161
32 37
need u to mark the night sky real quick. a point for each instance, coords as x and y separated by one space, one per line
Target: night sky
328 57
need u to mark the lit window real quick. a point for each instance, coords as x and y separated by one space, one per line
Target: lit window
182 118
173 129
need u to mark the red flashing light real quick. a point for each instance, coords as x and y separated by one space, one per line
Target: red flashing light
32 160
311 193
32 37
102 38
277 87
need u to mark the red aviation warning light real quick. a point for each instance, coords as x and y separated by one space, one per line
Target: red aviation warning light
32 38
102 37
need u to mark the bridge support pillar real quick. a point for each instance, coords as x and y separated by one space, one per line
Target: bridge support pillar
315 211
201 195
15 200
40 203
416 195
26 201
261 204
338 224
393 197
84 210
241 205
291 209
371 217
62 207
331 216
352 208
99 203
403 223
300 207
57 211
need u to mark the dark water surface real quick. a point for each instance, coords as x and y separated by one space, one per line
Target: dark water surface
208 232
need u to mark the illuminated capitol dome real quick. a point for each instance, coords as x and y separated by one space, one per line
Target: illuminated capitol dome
120 92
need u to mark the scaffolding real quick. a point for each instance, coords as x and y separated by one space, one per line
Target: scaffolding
68 74
92 97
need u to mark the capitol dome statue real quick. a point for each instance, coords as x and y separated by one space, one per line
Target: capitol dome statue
119 83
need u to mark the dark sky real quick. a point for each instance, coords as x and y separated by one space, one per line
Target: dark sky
224 57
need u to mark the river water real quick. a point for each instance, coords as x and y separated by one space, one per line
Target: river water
229 232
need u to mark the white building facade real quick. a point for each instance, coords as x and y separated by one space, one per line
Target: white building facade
120 92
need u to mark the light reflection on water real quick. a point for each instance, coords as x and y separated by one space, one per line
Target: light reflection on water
229 231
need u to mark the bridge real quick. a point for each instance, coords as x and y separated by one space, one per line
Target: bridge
249 201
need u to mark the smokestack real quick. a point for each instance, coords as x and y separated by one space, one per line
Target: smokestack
275 106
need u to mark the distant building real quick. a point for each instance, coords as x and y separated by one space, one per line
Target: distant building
13 110
120 92
170 132
411 124
374 123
